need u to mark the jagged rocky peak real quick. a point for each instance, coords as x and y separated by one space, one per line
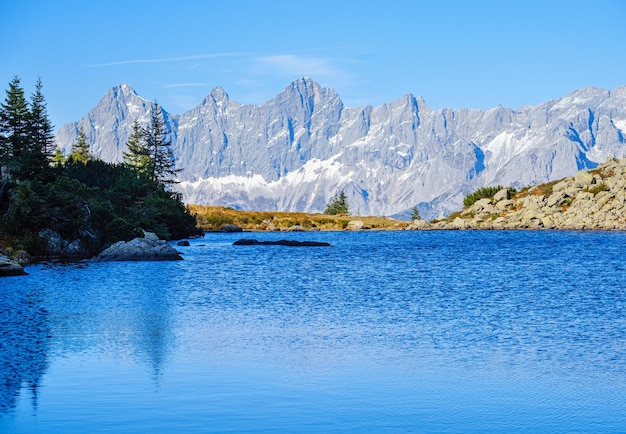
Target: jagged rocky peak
309 93
219 95
297 150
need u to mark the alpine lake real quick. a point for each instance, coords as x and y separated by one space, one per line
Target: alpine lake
383 331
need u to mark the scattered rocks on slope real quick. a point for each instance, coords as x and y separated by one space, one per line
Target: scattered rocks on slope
594 199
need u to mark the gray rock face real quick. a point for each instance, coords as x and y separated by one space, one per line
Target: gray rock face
9 267
149 248
55 246
296 151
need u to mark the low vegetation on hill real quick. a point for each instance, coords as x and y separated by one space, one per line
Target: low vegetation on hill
214 218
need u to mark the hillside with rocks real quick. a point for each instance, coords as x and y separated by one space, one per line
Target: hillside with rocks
590 200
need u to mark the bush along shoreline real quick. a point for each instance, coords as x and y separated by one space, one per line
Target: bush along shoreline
75 206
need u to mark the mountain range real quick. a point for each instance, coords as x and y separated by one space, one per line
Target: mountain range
296 151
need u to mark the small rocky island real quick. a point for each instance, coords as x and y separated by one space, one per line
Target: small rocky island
591 200
148 248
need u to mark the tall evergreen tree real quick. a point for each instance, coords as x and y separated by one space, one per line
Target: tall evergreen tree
14 131
80 149
162 168
138 156
41 129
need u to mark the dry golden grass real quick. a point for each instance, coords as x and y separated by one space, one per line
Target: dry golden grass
213 218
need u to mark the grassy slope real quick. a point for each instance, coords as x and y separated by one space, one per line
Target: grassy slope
213 218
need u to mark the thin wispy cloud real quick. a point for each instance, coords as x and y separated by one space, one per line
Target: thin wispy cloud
293 65
165 59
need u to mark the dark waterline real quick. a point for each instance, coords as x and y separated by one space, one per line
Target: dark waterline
383 331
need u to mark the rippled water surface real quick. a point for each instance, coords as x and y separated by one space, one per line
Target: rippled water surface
382 331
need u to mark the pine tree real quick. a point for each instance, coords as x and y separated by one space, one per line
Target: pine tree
138 156
415 214
162 168
41 143
14 131
338 205
80 149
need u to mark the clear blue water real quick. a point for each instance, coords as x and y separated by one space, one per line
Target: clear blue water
381 332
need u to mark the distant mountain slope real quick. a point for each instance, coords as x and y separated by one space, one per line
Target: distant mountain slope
294 152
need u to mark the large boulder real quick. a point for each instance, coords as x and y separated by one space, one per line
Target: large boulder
9 267
355 225
148 248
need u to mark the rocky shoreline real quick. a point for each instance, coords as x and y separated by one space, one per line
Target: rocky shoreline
591 200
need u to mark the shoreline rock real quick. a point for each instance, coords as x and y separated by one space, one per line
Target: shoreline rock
148 248
9 267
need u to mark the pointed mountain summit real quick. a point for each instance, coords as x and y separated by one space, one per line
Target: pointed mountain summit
297 150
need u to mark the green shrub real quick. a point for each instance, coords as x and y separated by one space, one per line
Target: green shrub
598 188
483 193
338 205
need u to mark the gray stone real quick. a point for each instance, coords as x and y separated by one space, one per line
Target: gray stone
9 267
421 224
231 228
503 194
149 248
52 242
355 225
556 199
504 204
296 228
583 178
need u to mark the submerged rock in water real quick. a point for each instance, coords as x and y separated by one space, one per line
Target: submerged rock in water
290 243
9 267
231 228
149 248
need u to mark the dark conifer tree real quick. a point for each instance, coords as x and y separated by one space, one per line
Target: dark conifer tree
41 132
14 131
163 166
138 156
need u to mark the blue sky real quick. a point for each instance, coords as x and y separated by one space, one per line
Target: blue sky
472 54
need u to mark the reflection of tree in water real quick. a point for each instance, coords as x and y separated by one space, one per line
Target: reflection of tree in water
24 334
153 337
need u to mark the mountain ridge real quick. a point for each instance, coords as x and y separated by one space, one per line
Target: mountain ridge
295 151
